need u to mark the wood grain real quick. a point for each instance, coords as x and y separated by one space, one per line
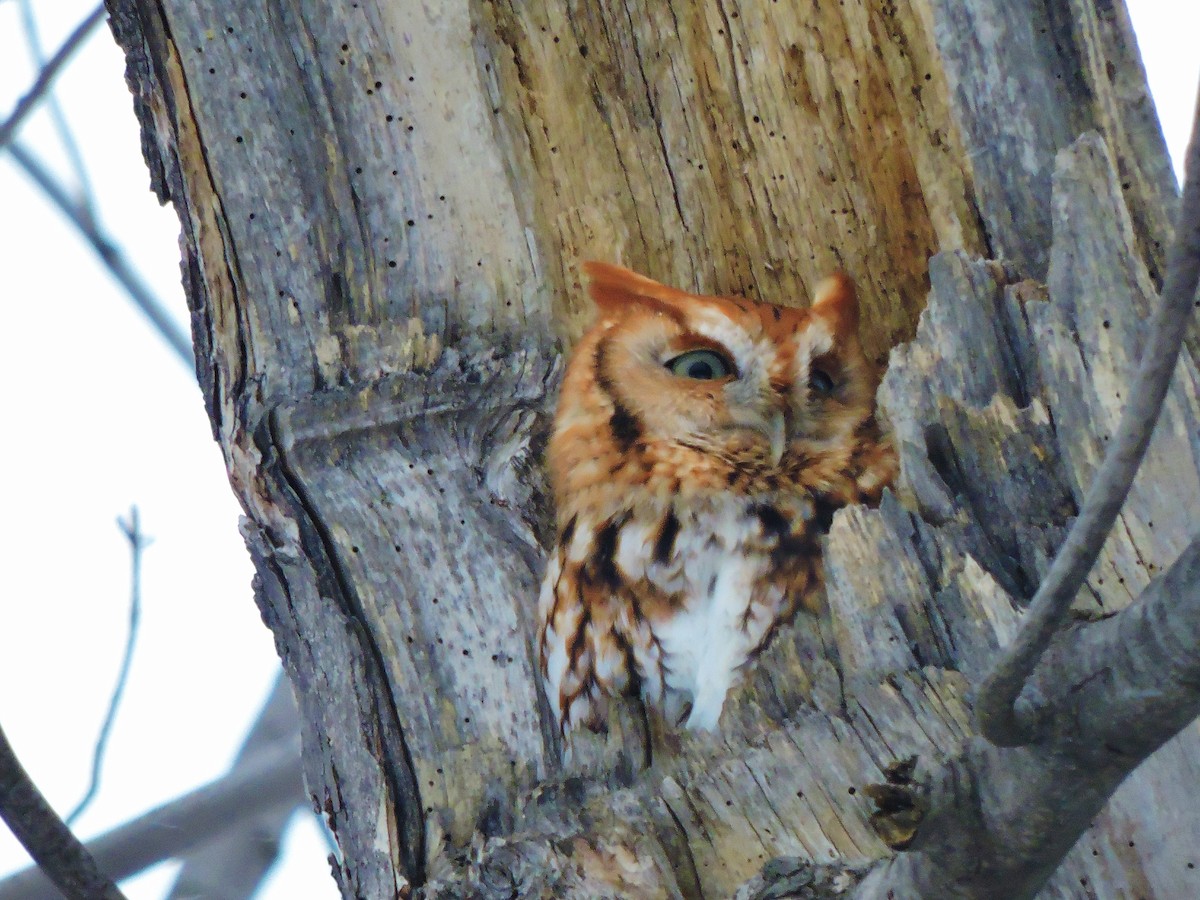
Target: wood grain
384 208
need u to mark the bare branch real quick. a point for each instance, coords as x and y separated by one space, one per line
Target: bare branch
999 721
234 864
116 262
137 543
65 861
49 72
183 824
65 137
1001 819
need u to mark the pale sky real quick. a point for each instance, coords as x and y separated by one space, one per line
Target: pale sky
101 416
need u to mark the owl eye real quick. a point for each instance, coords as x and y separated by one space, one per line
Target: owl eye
820 382
704 365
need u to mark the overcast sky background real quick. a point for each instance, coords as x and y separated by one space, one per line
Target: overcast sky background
101 415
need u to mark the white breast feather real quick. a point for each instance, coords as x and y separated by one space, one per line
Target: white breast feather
705 642
555 647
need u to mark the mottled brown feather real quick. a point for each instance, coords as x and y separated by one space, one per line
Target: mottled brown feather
686 541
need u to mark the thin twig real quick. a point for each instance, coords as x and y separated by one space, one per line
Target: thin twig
49 72
137 543
45 836
65 136
116 262
996 715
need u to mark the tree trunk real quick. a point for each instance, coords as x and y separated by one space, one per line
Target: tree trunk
384 208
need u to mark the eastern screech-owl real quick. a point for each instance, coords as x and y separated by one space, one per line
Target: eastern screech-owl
700 448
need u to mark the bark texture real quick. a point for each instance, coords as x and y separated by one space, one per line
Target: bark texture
384 207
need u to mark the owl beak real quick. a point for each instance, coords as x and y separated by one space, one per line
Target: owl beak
777 434
770 426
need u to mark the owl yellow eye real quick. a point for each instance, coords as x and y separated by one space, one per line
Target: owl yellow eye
703 365
820 382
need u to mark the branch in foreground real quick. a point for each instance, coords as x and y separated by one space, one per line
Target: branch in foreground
999 721
188 822
49 72
65 861
1112 692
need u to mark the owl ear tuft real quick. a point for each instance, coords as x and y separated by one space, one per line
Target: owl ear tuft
615 289
837 300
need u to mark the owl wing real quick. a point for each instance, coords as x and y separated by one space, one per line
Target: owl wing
583 656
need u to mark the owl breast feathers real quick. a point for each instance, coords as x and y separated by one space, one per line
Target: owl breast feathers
700 449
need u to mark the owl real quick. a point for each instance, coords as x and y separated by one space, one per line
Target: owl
700 448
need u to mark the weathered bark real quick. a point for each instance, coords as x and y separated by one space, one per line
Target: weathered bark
384 207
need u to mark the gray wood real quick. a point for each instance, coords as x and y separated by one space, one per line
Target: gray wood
384 206
918 604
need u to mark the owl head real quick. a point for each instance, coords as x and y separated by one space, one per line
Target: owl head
707 393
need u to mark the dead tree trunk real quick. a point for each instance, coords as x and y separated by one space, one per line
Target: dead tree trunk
384 207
